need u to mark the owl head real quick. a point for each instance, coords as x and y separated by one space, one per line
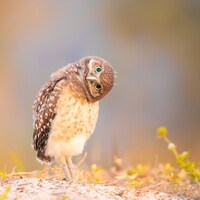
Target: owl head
98 77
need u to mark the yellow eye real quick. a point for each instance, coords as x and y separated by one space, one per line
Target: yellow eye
98 69
98 87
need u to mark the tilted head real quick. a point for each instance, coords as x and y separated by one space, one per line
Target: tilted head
99 77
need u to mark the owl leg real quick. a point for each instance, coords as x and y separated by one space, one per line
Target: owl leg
71 168
65 169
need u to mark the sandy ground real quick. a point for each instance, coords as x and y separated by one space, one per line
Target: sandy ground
26 188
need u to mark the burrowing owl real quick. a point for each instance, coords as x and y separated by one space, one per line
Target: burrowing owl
66 110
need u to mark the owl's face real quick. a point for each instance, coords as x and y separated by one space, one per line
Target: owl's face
99 77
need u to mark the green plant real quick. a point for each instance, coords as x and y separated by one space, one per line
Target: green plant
18 162
63 198
3 174
4 195
181 158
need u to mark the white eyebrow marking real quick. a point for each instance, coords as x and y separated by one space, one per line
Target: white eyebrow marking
90 65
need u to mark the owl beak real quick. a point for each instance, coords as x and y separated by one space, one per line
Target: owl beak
91 78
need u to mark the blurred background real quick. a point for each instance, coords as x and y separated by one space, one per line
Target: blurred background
153 45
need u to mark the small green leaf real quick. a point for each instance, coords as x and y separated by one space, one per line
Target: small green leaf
4 195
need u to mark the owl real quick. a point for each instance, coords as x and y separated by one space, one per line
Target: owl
65 111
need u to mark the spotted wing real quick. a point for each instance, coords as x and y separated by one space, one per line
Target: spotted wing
44 113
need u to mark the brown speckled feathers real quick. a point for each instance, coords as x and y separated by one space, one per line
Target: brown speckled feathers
44 113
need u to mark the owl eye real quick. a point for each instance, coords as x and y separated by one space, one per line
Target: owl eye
98 87
98 69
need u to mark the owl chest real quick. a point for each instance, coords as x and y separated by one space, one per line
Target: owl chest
75 116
